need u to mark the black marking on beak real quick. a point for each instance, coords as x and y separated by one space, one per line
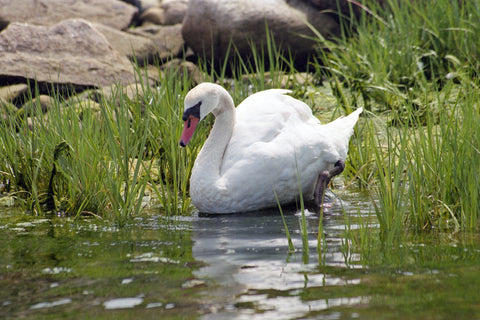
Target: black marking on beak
193 111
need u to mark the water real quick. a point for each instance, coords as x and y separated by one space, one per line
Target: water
58 268
234 267
261 278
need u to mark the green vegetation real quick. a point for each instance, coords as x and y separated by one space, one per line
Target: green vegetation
412 65
107 159
88 262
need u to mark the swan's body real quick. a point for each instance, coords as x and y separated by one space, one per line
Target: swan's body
264 147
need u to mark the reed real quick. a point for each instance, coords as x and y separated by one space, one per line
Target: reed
417 77
291 247
98 159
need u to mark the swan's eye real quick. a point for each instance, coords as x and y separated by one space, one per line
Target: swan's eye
193 111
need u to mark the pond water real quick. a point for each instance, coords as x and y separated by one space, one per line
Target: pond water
235 267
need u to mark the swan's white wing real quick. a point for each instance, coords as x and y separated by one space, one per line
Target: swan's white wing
276 139
262 117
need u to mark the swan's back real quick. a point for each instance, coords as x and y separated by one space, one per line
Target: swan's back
273 102
266 116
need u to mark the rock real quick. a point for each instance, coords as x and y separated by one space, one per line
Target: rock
134 47
7 109
185 69
114 95
148 43
174 11
86 107
3 23
145 4
334 7
72 53
279 80
152 15
13 92
170 12
114 13
168 39
210 25
132 91
43 102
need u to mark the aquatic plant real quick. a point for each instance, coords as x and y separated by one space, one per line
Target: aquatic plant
417 76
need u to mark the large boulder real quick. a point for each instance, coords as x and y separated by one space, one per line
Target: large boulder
114 13
210 25
72 53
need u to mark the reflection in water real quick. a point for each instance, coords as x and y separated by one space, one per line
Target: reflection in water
148 269
92 269
247 255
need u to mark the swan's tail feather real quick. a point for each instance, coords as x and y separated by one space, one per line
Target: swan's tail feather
342 129
345 124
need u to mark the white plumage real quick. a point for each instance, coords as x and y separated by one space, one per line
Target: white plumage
265 145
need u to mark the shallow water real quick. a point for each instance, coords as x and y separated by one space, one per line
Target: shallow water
235 267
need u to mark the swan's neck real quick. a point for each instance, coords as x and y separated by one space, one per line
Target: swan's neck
207 168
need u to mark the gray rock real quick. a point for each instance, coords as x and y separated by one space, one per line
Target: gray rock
210 25
145 4
154 15
134 47
72 52
168 13
184 69
174 11
168 39
43 102
114 13
12 92
7 110
132 92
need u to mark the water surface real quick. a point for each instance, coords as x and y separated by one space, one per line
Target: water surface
235 267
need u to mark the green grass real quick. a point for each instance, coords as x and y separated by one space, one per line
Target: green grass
413 66
101 159
416 149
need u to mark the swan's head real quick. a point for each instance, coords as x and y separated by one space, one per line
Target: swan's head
199 102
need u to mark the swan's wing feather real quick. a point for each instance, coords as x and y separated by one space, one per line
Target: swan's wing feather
277 165
276 136
273 101
264 115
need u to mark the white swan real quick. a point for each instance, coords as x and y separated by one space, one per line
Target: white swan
263 146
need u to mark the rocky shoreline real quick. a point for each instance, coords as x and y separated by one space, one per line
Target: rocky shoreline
71 46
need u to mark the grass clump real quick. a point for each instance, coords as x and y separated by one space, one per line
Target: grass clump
413 66
406 46
108 159
73 160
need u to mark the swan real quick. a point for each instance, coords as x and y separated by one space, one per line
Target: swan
270 147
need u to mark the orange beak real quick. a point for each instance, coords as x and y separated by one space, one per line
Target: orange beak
188 130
